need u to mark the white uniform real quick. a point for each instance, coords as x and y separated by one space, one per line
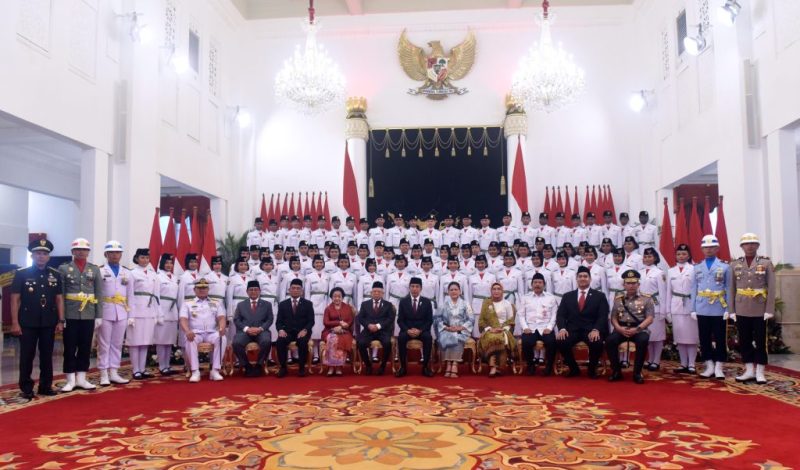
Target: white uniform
647 236
448 277
594 235
563 282
432 234
291 238
450 235
679 304
548 233
347 280
468 234
548 279
377 234
487 235
652 284
385 267
166 330
527 233
414 266
117 293
396 289
362 238
507 233
494 265
317 286
364 287
537 312
480 289
186 287
217 286
395 235
613 232
203 316
144 306
430 287
467 267
270 285
283 292
614 282
633 260
579 234
598 278
513 281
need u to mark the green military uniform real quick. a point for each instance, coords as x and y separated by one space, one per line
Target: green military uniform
82 292
630 312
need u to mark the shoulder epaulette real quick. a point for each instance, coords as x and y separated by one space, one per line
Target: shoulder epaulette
64 264
646 295
741 258
619 296
101 266
764 257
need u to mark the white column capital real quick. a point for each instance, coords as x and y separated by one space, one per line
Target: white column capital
356 128
515 124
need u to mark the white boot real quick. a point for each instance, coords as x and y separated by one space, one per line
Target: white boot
104 382
70 385
115 378
748 374
760 377
708 371
195 376
83 383
718 372
215 375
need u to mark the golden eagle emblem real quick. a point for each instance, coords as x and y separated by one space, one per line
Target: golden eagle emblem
437 69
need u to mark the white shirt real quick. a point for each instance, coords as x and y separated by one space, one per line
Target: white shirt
537 312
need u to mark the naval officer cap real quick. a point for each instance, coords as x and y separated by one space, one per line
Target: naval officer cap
41 245
111 246
749 238
201 283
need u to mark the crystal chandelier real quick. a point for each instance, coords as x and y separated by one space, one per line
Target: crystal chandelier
547 78
310 81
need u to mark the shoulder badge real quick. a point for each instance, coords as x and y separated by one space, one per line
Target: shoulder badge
764 257
102 266
619 296
646 295
53 270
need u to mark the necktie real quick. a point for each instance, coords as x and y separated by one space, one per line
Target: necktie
253 305
375 307
294 305
582 301
415 305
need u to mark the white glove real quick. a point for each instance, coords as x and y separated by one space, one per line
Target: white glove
669 318
727 315
160 320
132 322
98 322
693 315
768 316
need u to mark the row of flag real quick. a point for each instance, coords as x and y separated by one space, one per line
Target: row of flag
597 201
312 206
692 231
202 241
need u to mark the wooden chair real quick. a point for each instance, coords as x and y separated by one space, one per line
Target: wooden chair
521 362
202 348
291 349
416 345
252 350
358 366
581 354
323 353
474 363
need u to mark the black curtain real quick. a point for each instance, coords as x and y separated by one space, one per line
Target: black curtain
443 170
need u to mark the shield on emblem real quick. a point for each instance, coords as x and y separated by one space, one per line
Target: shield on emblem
437 69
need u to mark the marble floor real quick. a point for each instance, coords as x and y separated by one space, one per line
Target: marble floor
9 362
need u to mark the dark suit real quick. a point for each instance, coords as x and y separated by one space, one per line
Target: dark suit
422 319
579 323
293 323
383 316
245 316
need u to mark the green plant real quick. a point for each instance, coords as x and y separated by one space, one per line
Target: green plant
228 248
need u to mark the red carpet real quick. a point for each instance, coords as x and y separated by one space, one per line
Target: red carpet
383 422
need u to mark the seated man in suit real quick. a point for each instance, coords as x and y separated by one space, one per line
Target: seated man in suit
376 317
415 318
582 317
294 323
252 318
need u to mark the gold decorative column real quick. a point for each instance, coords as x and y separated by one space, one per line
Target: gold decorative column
515 129
357 134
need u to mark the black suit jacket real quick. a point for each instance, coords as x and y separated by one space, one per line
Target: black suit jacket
293 323
593 317
261 318
384 317
423 319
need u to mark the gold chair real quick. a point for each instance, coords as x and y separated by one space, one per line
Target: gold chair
581 354
416 345
359 365
323 353
291 349
202 348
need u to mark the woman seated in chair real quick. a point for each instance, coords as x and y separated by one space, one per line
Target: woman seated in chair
338 319
496 324
453 322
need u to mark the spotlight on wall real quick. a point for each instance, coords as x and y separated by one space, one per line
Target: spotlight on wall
139 32
641 99
726 14
179 62
242 117
695 44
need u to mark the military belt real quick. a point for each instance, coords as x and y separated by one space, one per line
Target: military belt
83 298
399 297
476 296
654 296
148 294
558 295
269 296
173 299
683 296
618 291
509 293
713 296
752 293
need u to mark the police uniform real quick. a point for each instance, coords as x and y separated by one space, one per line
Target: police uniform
202 318
630 312
82 292
754 286
117 295
166 330
40 297
144 308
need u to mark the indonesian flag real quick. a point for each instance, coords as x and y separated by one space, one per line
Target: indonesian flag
611 206
695 233
681 230
184 245
519 185
707 230
155 240
209 245
567 208
575 209
666 245
169 245
327 213
587 205
547 204
197 236
292 212
264 214
559 202
721 233
349 188
285 210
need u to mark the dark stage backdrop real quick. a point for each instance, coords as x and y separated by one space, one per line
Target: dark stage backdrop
469 175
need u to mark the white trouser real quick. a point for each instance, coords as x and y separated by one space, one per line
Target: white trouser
109 343
205 337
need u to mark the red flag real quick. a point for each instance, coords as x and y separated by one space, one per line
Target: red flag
721 233
197 235
264 214
184 245
587 205
285 210
611 206
519 185
209 245
606 206
320 210
707 217
349 188
559 202
155 239
307 210
271 213
667 246
567 208
695 233
594 202
575 209
292 212
327 213
170 238
547 204
553 207
681 231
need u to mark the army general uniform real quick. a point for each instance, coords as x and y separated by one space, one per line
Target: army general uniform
40 293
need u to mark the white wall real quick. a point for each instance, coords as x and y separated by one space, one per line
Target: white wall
586 143
57 218
14 222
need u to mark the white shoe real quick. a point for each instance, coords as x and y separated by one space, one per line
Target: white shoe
747 375
215 375
709 370
115 378
83 383
104 382
761 379
718 372
70 385
195 376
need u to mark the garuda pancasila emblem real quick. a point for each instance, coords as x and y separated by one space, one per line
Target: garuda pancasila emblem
437 69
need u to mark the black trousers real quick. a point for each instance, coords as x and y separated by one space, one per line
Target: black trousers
77 345
427 344
752 328
366 337
616 338
529 344
708 328
595 349
241 340
282 345
31 338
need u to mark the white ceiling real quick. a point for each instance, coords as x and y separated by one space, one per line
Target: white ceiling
22 141
267 9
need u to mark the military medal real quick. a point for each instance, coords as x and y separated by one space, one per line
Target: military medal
719 275
30 289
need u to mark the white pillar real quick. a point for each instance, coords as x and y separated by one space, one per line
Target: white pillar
783 224
515 130
93 206
357 135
